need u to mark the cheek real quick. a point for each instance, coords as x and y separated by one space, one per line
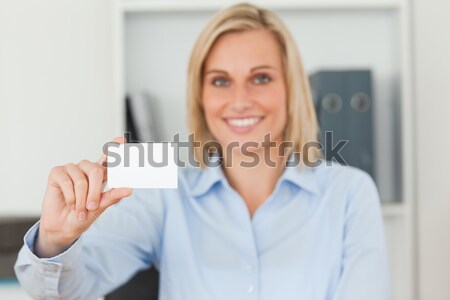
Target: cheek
276 107
275 103
213 102
211 108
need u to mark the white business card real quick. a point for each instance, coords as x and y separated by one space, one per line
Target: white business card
141 165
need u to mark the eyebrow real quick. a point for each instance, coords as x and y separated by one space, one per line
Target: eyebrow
251 70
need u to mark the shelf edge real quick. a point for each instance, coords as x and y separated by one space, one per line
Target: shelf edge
202 5
390 210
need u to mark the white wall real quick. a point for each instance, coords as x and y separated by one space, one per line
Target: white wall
56 89
55 92
432 60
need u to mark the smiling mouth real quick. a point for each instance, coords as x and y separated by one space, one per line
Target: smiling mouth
243 125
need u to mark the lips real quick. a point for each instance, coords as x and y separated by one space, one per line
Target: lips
243 124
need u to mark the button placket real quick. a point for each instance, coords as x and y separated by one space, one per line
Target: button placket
249 269
250 266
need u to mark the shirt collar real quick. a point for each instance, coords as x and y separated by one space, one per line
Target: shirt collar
206 179
304 178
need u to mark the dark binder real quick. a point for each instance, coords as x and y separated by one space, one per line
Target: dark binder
343 102
141 118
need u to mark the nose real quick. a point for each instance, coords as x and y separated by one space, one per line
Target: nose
242 100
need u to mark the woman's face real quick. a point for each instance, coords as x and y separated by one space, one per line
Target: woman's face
244 91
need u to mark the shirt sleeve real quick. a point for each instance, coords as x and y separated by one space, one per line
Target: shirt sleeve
365 270
125 239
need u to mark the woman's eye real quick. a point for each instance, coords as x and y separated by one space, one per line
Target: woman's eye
220 82
262 79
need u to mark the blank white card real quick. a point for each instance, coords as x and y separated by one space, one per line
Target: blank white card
142 165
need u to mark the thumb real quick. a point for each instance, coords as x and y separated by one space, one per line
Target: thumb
113 196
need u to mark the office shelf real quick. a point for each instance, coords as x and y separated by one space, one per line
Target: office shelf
376 33
130 6
393 210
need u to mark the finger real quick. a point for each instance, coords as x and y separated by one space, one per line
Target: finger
80 184
104 157
103 185
94 175
61 179
113 196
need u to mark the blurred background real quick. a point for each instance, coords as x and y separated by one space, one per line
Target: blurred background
75 74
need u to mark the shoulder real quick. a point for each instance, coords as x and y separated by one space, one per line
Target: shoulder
196 181
141 204
332 175
345 188
189 176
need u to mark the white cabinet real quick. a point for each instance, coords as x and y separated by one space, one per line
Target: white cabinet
432 65
154 39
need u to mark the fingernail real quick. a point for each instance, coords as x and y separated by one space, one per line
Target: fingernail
82 216
91 205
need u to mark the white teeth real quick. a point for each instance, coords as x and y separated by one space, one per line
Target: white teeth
243 122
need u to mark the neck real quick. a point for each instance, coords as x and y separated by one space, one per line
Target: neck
244 174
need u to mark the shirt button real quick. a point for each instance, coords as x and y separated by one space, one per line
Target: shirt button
250 289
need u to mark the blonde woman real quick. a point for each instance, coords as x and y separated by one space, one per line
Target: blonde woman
251 228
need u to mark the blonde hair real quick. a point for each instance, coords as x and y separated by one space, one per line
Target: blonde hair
302 124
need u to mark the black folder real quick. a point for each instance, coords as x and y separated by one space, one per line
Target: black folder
344 106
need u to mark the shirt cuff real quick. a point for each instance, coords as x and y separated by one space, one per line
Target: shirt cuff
66 258
49 269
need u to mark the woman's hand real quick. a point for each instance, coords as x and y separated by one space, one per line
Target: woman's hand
74 199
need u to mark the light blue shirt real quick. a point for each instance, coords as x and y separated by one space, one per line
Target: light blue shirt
318 236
